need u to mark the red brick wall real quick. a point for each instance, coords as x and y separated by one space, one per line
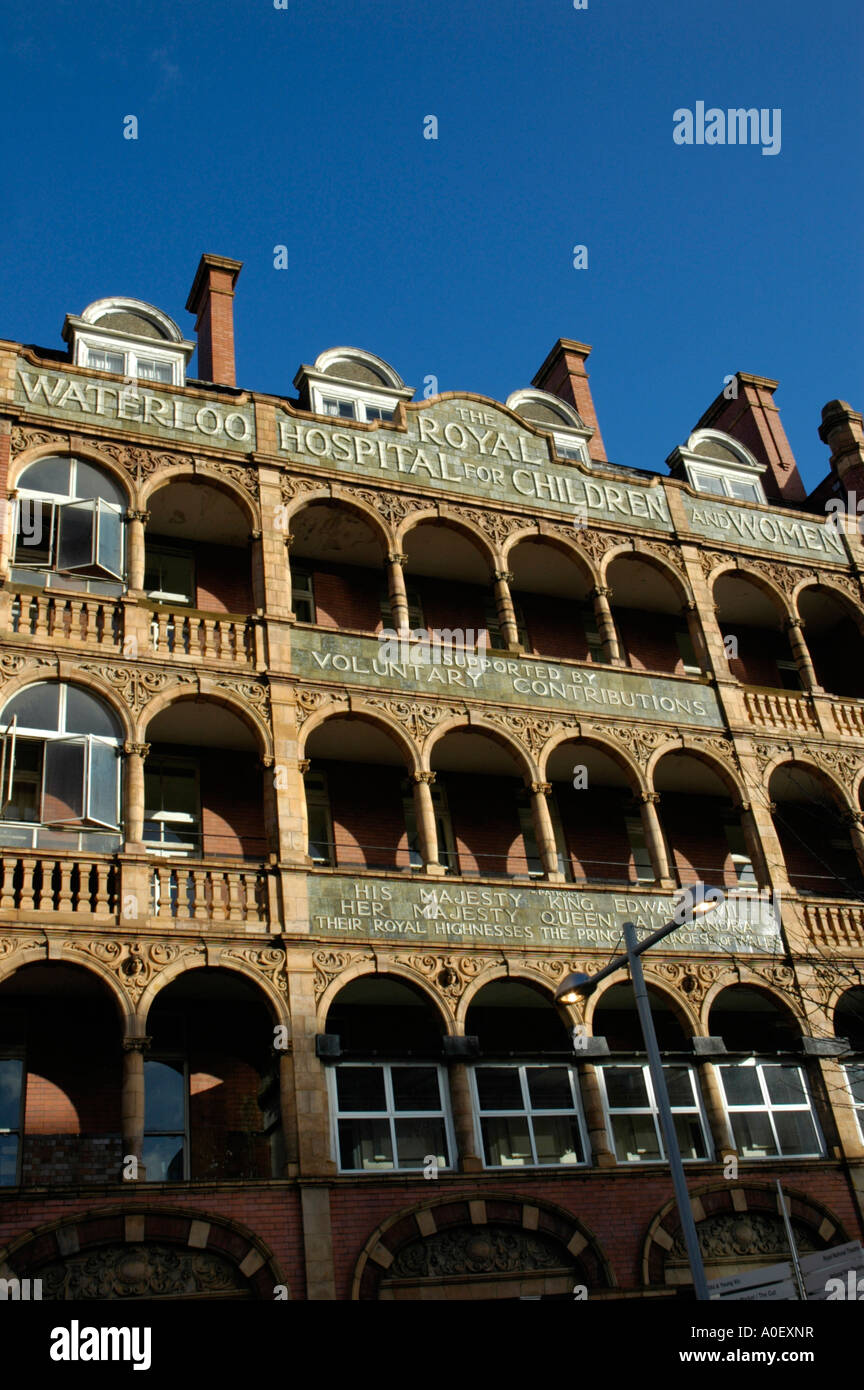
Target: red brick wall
555 627
232 811
839 659
448 605
348 596
759 650
595 835
367 812
695 834
485 821
223 579
649 640
814 864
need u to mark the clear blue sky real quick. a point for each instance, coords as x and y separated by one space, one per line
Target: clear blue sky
304 126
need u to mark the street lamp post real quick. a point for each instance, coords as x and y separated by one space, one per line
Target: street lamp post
697 900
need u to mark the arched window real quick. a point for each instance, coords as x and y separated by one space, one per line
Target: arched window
59 769
68 526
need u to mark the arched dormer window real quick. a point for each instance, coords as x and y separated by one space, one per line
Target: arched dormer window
715 463
351 384
129 338
68 526
59 769
569 432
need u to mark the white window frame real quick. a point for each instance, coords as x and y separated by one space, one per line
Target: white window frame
165 595
528 1112
358 397
320 797
57 501
651 1109
857 1105
570 448
158 849
174 358
769 1108
638 842
303 587
391 1114
167 1056
726 477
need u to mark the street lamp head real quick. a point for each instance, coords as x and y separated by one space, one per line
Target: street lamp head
696 900
574 988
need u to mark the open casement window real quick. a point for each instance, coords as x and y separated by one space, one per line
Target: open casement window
89 539
34 533
60 782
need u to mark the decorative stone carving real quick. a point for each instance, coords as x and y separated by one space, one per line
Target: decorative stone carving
137 684
12 665
10 944
292 486
717 744
667 554
450 974
418 717
750 1233
139 1271
710 559
694 981
597 543
254 693
555 969
245 477
138 461
844 765
498 526
639 743
134 963
533 732
23 437
393 506
308 701
269 961
329 964
785 577
467 1250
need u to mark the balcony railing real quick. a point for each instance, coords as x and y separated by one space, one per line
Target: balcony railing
61 883
835 924
777 709
188 632
849 718
67 620
207 892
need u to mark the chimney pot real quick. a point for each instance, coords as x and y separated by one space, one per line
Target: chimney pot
211 300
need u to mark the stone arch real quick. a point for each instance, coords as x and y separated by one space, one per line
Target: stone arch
83 449
342 497
515 972
357 709
853 607
35 953
67 674
741 1214
742 975
277 1002
478 724
428 512
196 471
549 1225
762 582
398 970
686 1015
630 550
715 763
831 783
208 691
613 750
237 1257
444 517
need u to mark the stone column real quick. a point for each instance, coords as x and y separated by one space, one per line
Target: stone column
396 563
289 541
595 1120
135 549
854 821
715 1111
502 579
427 830
133 791
654 839
256 559
132 1100
543 831
467 1158
753 842
690 613
801 654
606 625
288 1109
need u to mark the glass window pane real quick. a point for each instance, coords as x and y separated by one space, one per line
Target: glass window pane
365 1144
796 1132
8 1160
63 796
556 1139
85 714
34 536
47 475
320 848
679 1084
785 1085
635 1138
37 707
11 1081
361 1088
691 1140
707 482
25 795
164 1095
499 1088
76 526
856 1083
92 482
625 1086
105 361
163 1157
418 1139
506 1142
104 783
109 547
741 1085
753 1136
415 1088
549 1088
151 370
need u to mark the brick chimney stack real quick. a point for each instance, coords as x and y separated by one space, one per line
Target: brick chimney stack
211 300
563 375
842 429
754 420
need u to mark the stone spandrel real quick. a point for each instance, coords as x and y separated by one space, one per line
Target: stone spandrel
350 660
515 915
474 450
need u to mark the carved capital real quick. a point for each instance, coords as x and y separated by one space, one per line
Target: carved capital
505 576
427 777
304 764
136 750
133 515
136 1044
255 535
689 606
396 557
791 623
649 798
541 788
601 591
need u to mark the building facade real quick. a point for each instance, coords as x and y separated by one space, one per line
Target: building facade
337 730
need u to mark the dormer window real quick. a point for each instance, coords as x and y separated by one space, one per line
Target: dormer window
130 339
715 463
349 384
570 435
